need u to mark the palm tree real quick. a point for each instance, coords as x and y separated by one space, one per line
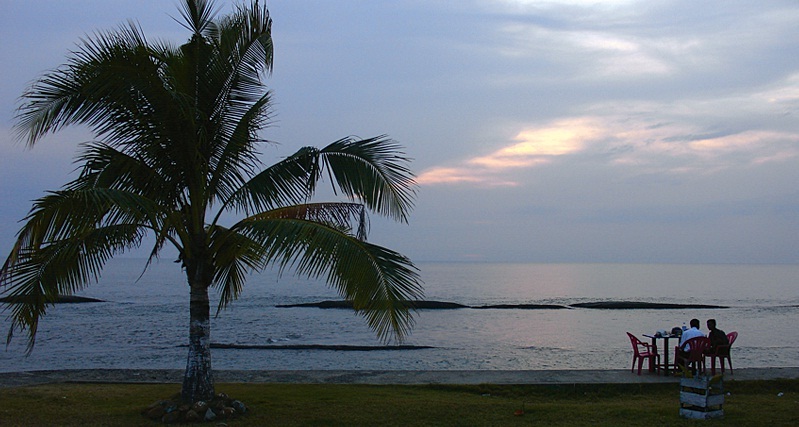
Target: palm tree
176 149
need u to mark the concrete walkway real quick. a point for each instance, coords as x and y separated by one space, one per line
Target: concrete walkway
20 379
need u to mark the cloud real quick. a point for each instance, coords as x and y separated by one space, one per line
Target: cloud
529 148
784 97
592 54
589 40
552 3
637 139
447 175
680 149
537 145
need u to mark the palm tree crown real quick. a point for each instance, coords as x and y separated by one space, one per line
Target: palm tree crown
177 135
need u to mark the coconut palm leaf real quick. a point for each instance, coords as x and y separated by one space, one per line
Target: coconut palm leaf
372 170
37 277
378 281
236 255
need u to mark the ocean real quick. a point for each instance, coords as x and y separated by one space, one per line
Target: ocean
143 322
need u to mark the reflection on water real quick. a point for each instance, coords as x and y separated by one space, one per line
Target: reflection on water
144 322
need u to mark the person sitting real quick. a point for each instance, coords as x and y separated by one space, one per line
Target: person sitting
717 338
683 350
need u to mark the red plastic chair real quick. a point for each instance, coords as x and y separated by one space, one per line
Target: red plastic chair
641 351
695 355
722 353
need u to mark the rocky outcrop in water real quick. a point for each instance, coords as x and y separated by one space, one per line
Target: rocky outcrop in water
522 306
438 305
64 299
347 304
320 347
637 305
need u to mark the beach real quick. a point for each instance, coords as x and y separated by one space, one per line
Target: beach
164 376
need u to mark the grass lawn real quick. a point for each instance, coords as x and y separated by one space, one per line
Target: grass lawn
749 403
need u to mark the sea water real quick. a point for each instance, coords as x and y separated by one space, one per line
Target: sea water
143 321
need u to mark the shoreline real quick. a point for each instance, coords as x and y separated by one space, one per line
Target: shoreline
379 377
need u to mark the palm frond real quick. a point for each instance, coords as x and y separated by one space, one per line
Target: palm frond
107 167
240 100
35 276
338 215
373 170
197 16
90 88
235 256
63 214
281 184
378 281
67 238
233 163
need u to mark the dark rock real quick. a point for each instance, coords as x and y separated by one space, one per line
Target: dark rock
418 305
155 412
320 304
523 306
192 416
641 305
434 305
319 347
217 406
199 407
171 417
64 299
239 406
173 411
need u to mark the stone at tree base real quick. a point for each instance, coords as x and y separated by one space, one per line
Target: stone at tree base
173 411
192 416
239 406
200 407
155 412
171 417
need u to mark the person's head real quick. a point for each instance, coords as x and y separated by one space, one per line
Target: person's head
695 323
711 324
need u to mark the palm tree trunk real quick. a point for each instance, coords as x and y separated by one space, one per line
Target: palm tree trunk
198 382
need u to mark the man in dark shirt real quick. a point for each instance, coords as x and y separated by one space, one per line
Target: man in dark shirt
717 336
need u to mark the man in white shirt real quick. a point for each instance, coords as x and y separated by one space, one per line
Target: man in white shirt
680 353
693 332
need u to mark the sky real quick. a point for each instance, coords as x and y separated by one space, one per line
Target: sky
540 131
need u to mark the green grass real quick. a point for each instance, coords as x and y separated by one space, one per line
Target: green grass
750 403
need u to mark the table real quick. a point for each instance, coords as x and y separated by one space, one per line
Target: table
666 351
